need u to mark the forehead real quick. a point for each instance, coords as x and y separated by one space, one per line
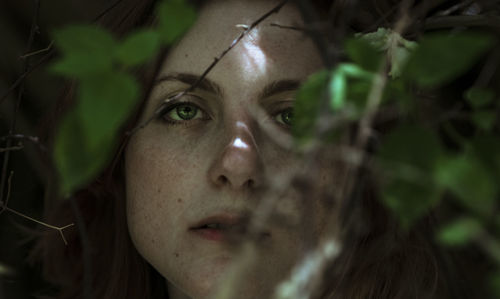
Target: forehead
267 53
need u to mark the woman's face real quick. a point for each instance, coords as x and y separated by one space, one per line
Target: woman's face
194 174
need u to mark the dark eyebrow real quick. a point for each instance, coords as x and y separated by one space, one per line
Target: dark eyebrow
271 89
280 86
190 79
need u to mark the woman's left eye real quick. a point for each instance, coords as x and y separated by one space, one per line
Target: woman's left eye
183 112
285 117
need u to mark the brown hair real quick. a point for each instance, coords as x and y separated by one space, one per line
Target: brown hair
378 261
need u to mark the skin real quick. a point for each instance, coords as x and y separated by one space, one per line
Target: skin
179 172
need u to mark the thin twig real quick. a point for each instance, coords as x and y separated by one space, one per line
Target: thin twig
33 139
454 8
31 38
216 60
11 148
38 51
4 207
462 21
44 58
310 17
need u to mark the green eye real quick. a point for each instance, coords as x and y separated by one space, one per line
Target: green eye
184 112
285 117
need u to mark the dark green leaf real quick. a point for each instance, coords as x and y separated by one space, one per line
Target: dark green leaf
87 135
175 18
469 181
80 65
104 104
442 57
484 119
487 149
407 156
87 39
364 54
75 161
459 232
138 47
307 105
479 97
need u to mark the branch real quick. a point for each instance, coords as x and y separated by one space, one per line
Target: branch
31 38
34 139
4 207
247 30
465 21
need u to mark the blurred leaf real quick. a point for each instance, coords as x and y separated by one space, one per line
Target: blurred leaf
487 149
105 101
407 155
479 97
442 57
459 232
175 18
363 53
397 48
306 106
88 133
86 39
484 119
469 181
138 47
75 161
80 65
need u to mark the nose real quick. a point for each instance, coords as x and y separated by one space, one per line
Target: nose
238 164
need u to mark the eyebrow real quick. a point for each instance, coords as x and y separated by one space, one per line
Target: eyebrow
210 86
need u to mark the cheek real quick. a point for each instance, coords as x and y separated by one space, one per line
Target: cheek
155 199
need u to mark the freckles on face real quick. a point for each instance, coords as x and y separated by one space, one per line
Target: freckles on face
207 157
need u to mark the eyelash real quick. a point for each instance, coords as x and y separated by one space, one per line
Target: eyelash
170 107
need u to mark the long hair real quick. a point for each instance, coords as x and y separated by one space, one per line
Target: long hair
378 260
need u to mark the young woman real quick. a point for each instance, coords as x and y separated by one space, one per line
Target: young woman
166 218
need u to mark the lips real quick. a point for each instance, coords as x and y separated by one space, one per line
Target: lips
221 227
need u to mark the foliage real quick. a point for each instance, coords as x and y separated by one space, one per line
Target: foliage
107 92
418 164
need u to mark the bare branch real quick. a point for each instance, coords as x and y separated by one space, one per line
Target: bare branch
38 51
12 148
33 139
247 30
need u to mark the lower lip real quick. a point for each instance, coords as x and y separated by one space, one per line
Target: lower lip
211 234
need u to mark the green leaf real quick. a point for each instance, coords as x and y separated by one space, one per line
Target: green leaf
487 149
467 178
484 119
75 161
459 232
138 47
442 57
87 39
105 102
175 18
479 97
364 54
80 65
398 49
407 156
87 135
307 105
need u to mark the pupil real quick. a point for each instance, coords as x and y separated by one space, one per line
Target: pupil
287 117
186 112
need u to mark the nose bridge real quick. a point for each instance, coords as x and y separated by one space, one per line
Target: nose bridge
237 165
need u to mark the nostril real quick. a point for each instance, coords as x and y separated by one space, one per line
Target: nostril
223 180
250 184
